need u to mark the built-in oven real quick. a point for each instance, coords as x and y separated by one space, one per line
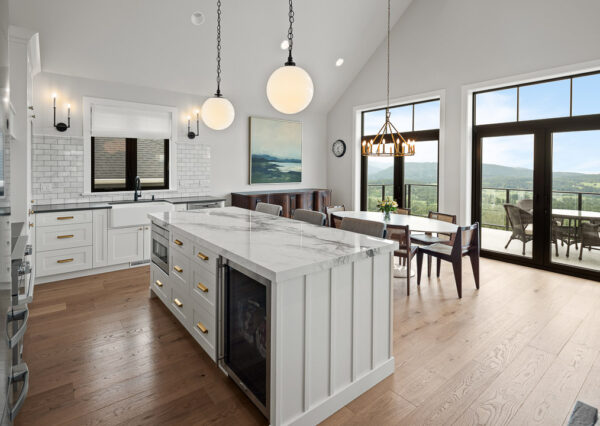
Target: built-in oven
245 331
160 247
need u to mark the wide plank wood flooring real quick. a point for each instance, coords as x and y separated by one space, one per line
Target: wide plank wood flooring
520 351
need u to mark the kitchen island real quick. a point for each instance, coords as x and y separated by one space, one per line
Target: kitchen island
323 323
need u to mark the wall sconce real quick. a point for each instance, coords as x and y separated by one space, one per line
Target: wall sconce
61 127
192 135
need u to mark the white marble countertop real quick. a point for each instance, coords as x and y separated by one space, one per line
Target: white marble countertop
274 247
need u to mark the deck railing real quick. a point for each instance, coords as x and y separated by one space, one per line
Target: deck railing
495 210
427 199
492 209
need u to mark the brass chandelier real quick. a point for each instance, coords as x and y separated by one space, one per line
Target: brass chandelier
397 146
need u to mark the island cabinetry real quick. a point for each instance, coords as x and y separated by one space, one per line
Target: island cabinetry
160 284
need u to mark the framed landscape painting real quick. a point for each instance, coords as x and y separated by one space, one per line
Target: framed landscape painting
275 151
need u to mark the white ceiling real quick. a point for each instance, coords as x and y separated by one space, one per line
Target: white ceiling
152 43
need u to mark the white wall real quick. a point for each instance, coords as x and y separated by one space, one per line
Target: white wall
229 149
447 45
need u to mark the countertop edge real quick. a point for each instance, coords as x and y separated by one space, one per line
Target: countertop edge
275 276
53 208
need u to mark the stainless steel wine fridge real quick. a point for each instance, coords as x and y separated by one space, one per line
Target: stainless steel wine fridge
245 331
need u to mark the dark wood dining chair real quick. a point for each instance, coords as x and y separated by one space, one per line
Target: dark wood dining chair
366 227
406 251
428 238
267 208
466 243
332 209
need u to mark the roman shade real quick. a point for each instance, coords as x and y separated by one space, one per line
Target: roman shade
130 122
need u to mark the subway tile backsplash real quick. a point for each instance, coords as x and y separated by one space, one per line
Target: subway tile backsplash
58 177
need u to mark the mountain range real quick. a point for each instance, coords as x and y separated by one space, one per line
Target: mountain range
494 176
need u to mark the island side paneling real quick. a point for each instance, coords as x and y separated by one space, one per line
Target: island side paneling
331 334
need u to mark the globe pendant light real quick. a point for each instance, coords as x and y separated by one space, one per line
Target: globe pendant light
397 146
217 112
290 89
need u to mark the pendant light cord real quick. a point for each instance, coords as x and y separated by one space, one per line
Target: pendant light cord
218 94
290 60
387 109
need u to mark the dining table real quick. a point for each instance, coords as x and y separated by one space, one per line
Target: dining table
415 224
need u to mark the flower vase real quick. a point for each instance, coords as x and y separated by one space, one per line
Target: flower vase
386 216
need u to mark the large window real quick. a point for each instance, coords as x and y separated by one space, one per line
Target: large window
412 181
125 140
536 173
117 161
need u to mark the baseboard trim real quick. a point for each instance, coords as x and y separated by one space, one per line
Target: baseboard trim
342 397
85 273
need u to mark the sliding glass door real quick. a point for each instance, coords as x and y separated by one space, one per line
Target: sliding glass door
576 199
536 174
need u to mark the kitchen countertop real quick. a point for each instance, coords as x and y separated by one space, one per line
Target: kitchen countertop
49 208
274 247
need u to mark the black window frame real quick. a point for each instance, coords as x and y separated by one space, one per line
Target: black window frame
130 167
542 130
418 136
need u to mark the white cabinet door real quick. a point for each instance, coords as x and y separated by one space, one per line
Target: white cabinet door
147 242
100 238
125 245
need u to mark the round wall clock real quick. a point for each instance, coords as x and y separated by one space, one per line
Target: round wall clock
339 148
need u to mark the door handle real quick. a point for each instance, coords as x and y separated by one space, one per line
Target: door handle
20 373
17 315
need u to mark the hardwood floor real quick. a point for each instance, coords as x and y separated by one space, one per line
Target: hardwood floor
519 351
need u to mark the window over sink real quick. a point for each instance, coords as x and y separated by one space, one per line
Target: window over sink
126 140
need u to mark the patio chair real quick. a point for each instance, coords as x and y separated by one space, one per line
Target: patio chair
521 223
526 204
568 235
590 237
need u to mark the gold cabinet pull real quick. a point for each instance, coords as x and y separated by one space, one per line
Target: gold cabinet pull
65 260
202 256
62 237
178 303
158 283
203 287
202 328
179 243
64 217
178 269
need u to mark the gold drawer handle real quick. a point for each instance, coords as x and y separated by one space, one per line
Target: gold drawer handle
203 287
178 269
64 217
178 303
202 256
62 237
158 283
65 260
202 328
179 243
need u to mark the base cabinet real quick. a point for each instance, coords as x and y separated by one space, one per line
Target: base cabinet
125 245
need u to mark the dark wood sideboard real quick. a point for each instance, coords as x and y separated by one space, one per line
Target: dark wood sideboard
290 200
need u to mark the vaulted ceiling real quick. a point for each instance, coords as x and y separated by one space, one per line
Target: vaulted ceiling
152 43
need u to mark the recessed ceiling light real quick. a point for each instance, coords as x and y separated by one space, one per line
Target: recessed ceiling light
285 45
197 18
339 62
